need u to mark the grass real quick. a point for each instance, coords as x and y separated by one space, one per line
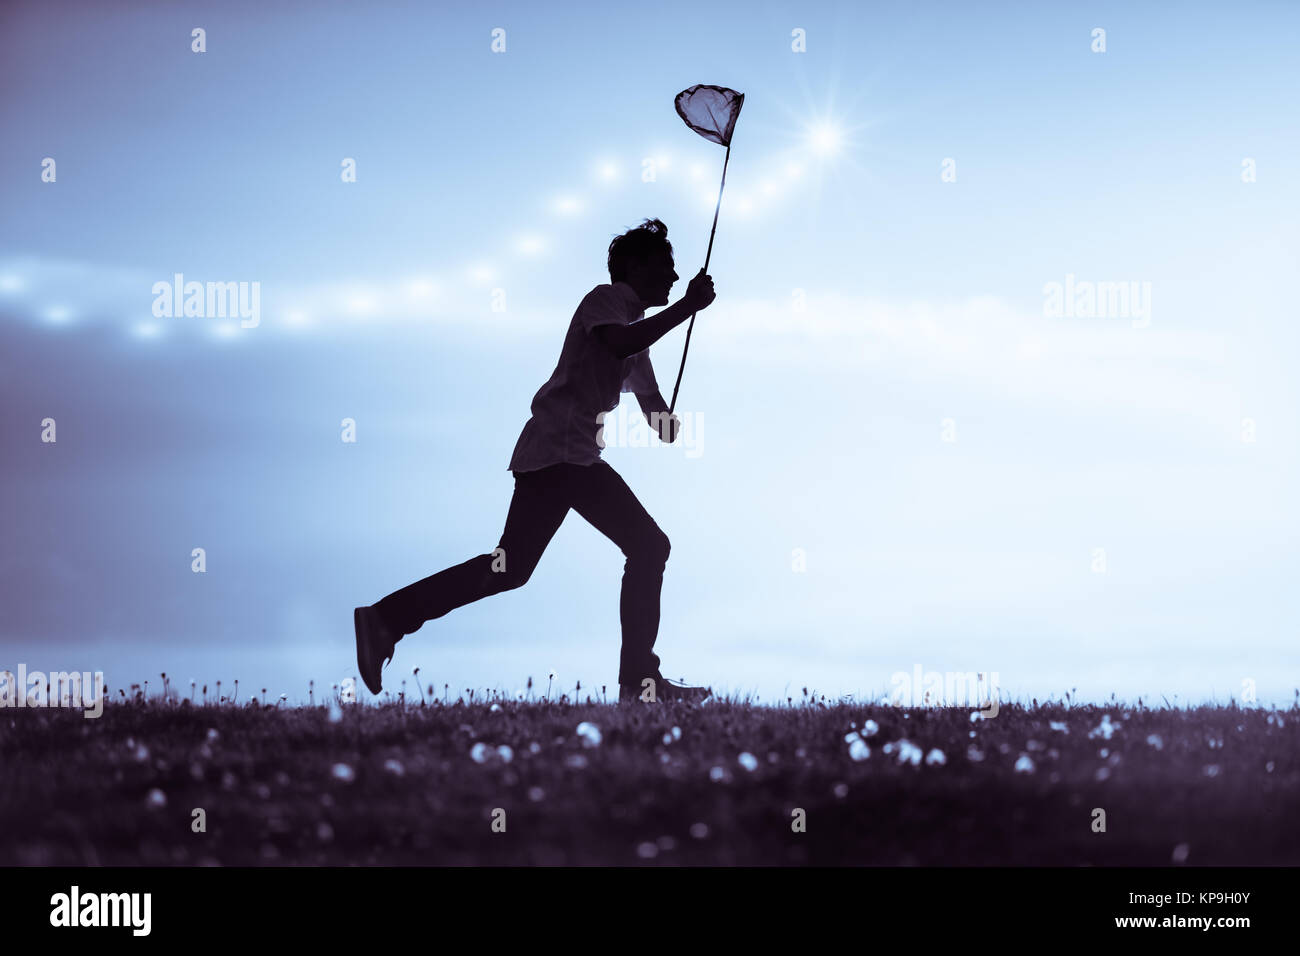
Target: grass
720 783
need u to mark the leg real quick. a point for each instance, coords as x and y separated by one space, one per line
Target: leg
605 500
536 511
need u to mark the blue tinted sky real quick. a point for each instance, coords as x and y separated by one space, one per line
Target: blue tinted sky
484 174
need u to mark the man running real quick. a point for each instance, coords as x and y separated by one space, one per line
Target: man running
557 466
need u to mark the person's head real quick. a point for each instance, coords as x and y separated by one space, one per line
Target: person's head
643 258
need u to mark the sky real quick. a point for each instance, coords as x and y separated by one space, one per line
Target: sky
899 455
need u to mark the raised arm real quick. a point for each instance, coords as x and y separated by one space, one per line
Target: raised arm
625 340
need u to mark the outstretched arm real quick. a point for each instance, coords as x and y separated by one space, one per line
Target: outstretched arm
625 340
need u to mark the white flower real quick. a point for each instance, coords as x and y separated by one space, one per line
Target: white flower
1059 725
505 753
909 752
156 798
1024 764
1156 741
479 752
1105 730
589 733
341 771
870 728
935 758
748 761
858 750
394 767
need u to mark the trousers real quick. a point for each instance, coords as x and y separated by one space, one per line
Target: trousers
541 500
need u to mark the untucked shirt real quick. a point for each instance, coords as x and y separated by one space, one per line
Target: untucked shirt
587 381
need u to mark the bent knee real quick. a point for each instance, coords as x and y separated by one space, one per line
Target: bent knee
655 549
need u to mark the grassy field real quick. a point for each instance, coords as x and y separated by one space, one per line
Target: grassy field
592 783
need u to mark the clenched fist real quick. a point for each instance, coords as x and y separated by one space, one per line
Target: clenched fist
699 293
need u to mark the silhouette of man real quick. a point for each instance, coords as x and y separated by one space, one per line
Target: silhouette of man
557 466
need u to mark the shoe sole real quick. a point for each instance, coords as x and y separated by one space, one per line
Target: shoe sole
365 651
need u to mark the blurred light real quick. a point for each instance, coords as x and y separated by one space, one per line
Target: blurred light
297 317
147 330
225 330
360 305
697 171
529 245
10 283
825 138
57 314
481 272
768 187
421 288
744 205
567 205
794 170
607 172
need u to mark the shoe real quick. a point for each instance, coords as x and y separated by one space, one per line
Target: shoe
375 646
666 690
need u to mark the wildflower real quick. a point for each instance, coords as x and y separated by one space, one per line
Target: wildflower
1105 730
908 752
589 733
1024 764
479 752
341 771
748 761
394 767
1059 726
1156 741
935 758
156 799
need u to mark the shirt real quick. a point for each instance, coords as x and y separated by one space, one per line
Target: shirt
587 382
